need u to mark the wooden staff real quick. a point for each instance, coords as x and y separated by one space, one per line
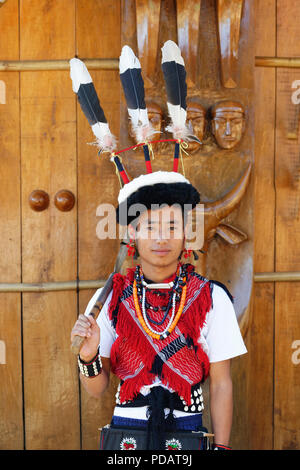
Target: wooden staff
78 340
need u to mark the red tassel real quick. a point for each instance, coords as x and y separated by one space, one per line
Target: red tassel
118 287
189 324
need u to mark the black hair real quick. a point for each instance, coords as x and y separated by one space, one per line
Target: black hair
181 194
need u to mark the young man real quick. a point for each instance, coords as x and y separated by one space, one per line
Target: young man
164 328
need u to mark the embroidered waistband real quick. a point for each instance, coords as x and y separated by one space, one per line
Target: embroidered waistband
185 423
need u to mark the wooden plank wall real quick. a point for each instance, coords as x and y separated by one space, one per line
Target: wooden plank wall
44 146
11 400
287 295
274 412
261 330
98 35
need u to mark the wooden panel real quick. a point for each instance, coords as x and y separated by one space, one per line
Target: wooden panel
9 27
287 327
260 333
47 29
11 402
11 413
97 181
49 254
261 328
288 18
287 377
265 28
49 238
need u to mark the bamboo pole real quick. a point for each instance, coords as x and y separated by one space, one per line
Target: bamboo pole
39 65
50 286
277 277
286 62
113 64
80 285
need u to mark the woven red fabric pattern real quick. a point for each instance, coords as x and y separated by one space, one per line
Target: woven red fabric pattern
134 352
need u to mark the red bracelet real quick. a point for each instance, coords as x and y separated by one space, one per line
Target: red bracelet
221 447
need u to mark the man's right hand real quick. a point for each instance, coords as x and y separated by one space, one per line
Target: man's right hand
87 327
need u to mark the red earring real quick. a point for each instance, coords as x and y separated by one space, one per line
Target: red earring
130 248
187 253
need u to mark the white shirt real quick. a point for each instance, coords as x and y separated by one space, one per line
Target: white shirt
220 338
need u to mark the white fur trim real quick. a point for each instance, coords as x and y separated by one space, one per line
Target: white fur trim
148 180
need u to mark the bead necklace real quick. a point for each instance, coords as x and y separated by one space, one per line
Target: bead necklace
162 333
179 287
173 285
165 309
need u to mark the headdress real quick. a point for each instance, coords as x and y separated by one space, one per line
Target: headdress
157 187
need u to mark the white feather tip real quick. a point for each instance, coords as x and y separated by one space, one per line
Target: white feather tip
79 73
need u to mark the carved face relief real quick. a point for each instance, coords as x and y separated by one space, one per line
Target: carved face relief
155 116
196 118
155 119
228 123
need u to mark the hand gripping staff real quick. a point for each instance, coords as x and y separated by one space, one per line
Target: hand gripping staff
96 309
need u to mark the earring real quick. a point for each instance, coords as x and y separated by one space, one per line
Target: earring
131 248
187 253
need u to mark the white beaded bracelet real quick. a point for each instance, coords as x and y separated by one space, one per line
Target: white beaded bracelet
92 368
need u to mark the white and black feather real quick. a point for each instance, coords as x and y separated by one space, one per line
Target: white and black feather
133 87
83 86
174 73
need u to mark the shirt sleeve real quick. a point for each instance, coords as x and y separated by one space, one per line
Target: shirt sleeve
220 337
107 331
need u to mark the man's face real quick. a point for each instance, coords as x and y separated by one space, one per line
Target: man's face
196 116
228 127
155 119
159 235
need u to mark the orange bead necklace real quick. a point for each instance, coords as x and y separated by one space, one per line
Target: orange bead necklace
182 281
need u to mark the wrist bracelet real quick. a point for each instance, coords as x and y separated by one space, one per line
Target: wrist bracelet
92 368
221 447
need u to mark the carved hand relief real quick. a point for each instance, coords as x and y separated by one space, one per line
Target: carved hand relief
216 212
228 123
229 14
188 21
147 23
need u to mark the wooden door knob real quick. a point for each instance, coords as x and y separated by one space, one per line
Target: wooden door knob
38 200
64 200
